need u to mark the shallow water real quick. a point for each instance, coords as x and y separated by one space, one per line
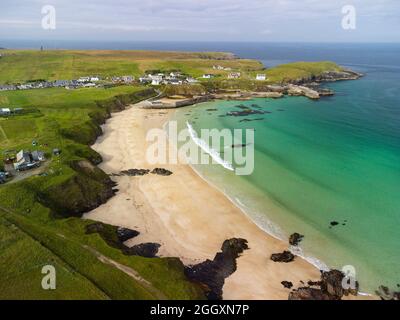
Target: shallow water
337 159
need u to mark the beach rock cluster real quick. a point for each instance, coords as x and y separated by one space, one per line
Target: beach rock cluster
287 284
211 274
161 172
285 257
142 172
386 294
116 236
330 287
125 234
147 250
295 239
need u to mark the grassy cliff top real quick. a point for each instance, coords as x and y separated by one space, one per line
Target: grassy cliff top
25 65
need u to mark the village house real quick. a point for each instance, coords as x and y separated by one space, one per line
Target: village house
84 79
191 80
261 77
156 80
208 76
234 75
128 79
26 160
5 111
61 83
7 87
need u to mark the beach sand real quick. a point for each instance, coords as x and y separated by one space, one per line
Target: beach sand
187 216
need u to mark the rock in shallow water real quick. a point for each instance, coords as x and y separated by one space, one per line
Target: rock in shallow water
295 239
285 256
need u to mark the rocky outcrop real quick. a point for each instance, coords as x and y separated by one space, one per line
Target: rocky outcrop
294 90
295 239
161 172
125 234
285 256
212 274
116 236
386 294
287 284
147 250
330 287
306 293
132 173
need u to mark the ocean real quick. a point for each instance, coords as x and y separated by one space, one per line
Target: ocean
337 159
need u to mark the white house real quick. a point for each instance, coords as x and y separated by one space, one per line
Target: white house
156 80
234 75
208 76
5 111
191 80
261 77
84 79
94 79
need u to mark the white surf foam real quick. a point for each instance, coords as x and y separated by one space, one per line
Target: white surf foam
207 149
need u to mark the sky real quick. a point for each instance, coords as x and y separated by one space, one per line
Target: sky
202 20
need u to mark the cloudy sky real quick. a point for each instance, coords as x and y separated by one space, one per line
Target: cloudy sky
202 20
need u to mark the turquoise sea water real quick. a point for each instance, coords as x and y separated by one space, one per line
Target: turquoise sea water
337 159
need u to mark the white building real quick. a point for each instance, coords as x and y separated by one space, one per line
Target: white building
94 79
84 79
208 76
156 80
5 111
191 80
261 77
234 75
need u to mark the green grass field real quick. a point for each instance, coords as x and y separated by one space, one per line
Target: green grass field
20 66
31 234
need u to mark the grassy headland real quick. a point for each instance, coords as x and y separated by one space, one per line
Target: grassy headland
31 231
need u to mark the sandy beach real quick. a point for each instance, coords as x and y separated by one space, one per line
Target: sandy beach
187 216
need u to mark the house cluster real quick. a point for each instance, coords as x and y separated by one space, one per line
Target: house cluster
68 84
234 75
261 77
218 67
174 78
26 160
123 79
5 112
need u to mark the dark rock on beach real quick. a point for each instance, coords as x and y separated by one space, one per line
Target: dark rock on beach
147 250
295 239
212 274
161 172
287 284
306 293
125 234
386 294
285 257
330 288
132 172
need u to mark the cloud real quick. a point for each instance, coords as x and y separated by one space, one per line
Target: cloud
300 20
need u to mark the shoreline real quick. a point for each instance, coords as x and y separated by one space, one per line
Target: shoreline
176 212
